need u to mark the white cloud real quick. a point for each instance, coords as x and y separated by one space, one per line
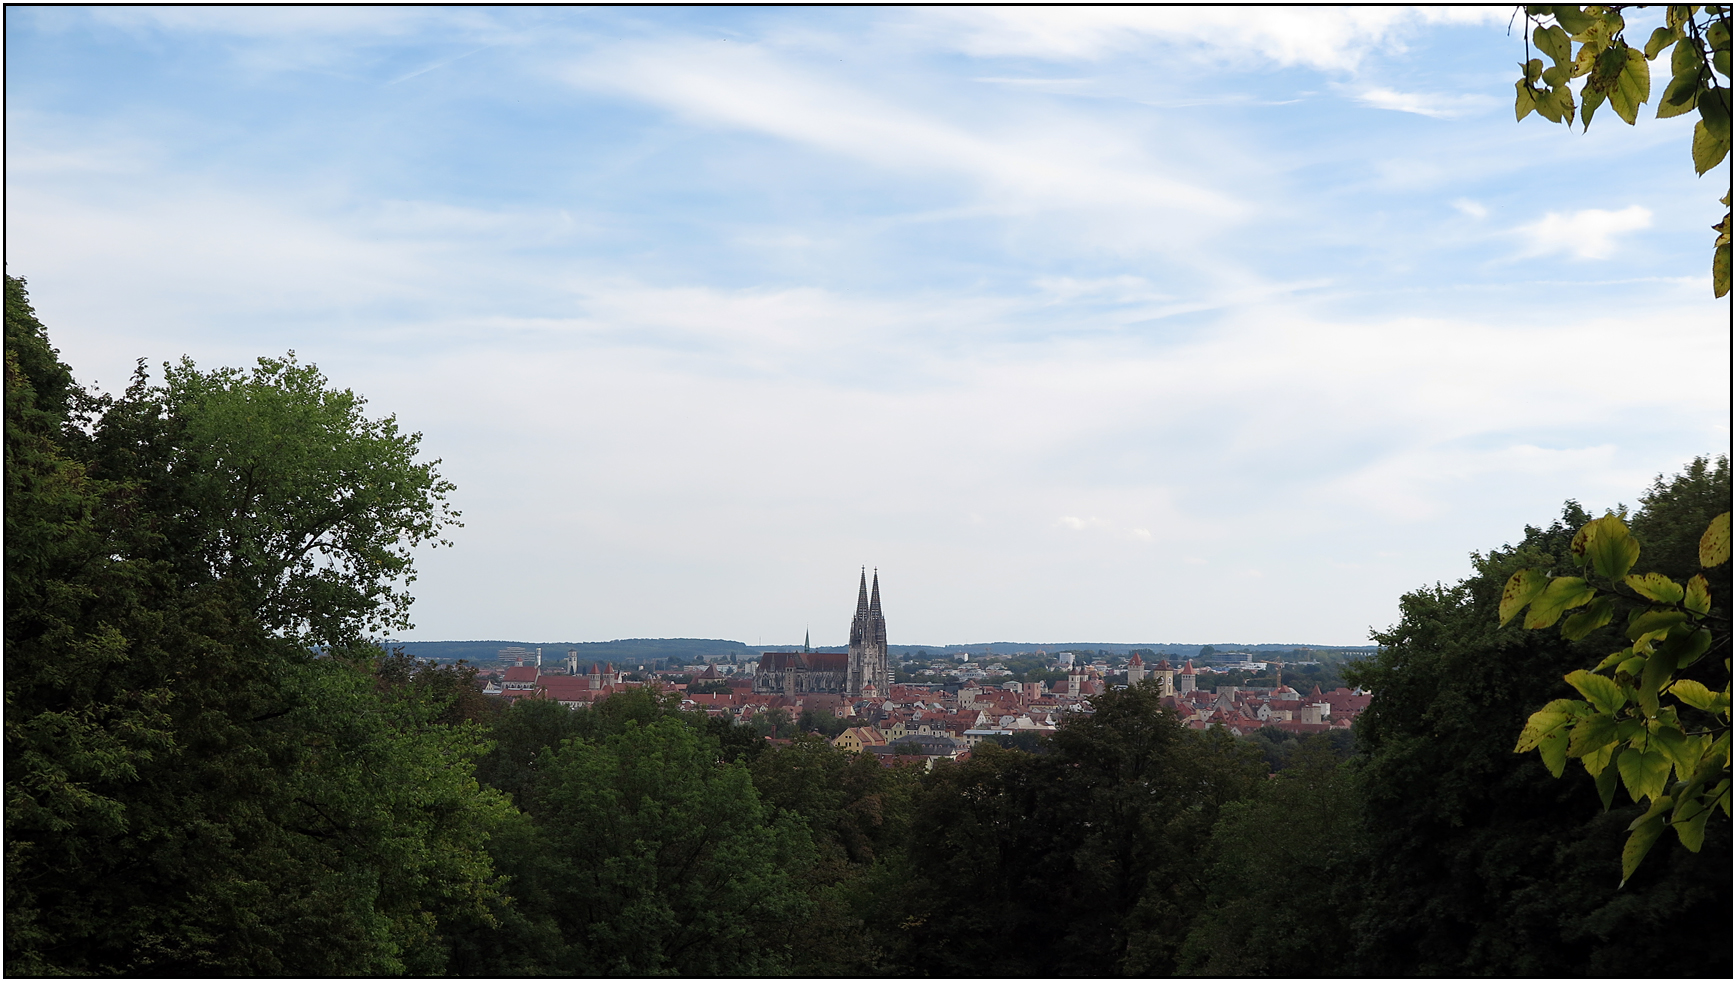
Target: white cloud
1437 105
1472 208
1332 39
1035 164
1587 234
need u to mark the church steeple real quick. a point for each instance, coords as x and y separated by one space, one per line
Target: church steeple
867 663
806 637
859 623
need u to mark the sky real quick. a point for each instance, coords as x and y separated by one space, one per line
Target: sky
1116 324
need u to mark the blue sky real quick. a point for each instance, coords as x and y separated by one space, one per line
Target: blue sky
1115 324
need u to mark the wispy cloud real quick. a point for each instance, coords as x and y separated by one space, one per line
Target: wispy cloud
1332 39
1437 105
735 86
1590 233
1049 311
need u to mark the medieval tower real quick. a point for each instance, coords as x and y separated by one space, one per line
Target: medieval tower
868 672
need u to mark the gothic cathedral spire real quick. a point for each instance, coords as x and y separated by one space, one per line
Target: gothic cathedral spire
867 673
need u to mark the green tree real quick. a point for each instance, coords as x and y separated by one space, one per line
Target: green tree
1649 715
80 723
1080 861
1282 881
281 487
823 722
660 858
859 815
1479 861
190 789
1698 39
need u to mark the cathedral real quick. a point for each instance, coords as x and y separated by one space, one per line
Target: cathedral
861 673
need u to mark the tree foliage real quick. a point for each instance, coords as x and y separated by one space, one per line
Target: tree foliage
1638 726
190 790
212 770
1588 42
1478 860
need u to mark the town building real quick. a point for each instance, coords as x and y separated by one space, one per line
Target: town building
862 672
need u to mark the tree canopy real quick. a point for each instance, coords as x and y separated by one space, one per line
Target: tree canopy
212 769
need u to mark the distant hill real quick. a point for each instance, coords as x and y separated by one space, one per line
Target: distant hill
626 651
645 651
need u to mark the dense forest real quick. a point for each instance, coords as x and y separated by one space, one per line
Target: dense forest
212 768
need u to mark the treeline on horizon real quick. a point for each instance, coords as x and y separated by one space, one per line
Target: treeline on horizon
690 650
191 790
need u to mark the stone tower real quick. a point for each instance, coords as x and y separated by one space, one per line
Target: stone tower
868 666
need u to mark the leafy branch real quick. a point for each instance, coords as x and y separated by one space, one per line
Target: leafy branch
1698 39
1624 731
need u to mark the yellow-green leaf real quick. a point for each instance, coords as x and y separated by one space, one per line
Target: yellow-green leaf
1574 20
1611 549
1522 588
1596 614
1655 586
1645 833
1646 622
1656 676
1593 734
1695 694
1561 595
1549 105
1525 101
1686 58
1553 42
1606 778
1633 86
1614 658
1680 95
1710 149
1553 749
1659 807
1603 693
1715 543
1698 597
1596 760
1685 646
1543 722
1645 773
1590 99
1661 38
1682 750
1692 829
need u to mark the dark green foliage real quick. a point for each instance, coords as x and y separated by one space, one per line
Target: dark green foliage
1282 883
1079 861
189 791
661 859
1479 861
823 722
211 771
1279 746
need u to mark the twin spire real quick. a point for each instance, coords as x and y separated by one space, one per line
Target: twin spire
863 604
869 624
